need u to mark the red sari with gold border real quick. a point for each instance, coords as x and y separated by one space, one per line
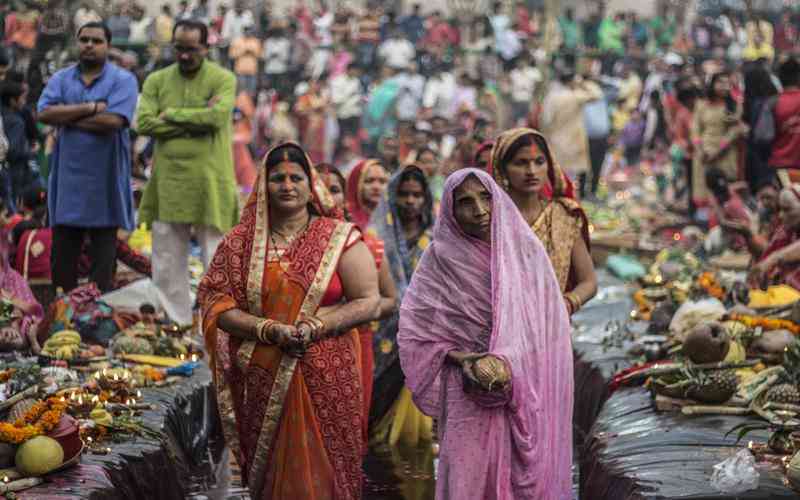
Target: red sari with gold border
294 425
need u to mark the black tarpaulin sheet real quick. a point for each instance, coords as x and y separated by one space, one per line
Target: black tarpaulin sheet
187 460
637 453
595 363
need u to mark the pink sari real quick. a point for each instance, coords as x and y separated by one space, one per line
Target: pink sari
503 299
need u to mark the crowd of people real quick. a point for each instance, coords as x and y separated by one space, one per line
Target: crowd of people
413 242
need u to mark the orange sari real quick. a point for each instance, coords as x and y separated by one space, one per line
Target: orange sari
295 425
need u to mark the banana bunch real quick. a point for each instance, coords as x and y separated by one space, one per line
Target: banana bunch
65 345
101 416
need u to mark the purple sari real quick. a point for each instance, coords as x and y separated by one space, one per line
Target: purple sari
502 299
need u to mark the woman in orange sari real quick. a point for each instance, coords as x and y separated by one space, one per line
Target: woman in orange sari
523 165
280 302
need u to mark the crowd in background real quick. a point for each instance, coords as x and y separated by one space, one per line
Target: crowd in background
678 95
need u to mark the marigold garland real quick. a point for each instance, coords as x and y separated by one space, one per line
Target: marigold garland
768 324
42 418
6 375
708 282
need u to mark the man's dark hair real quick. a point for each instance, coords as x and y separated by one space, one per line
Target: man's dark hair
192 25
98 25
789 72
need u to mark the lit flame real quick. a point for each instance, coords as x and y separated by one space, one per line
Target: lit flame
116 378
194 357
95 399
750 445
5 479
182 357
80 400
138 394
89 439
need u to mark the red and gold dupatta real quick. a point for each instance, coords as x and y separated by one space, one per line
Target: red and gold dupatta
550 226
294 424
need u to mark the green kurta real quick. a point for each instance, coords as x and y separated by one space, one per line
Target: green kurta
193 178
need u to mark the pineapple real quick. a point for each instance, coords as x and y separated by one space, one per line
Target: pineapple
715 387
784 393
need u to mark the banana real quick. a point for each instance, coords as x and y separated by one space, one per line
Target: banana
101 416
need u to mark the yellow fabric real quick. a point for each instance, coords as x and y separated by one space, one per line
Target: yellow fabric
404 423
775 296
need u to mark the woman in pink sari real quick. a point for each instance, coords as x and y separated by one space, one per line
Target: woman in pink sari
18 321
485 346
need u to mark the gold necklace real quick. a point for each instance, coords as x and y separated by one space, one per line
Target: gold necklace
289 240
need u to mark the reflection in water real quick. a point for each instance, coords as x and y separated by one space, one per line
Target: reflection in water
399 473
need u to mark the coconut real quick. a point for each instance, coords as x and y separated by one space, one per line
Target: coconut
707 343
793 471
39 455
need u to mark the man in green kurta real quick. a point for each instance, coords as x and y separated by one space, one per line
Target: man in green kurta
187 109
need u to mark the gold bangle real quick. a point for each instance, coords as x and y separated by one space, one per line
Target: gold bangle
574 300
263 328
315 325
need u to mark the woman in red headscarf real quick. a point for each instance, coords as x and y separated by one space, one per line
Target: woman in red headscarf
523 165
365 187
279 304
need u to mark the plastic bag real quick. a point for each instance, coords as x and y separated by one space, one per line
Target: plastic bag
736 474
691 314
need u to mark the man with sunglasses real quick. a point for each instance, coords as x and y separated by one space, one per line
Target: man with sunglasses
187 108
92 105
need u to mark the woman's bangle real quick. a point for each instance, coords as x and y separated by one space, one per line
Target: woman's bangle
315 325
574 301
263 329
94 111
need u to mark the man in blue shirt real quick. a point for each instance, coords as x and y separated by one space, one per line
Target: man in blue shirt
92 104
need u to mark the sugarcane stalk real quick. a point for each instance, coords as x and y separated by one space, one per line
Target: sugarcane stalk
20 484
677 368
16 398
714 410
782 406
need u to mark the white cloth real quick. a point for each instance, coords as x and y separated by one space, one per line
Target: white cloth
83 16
440 93
234 24
347 96
141 31
397 53
323 25
523 83
409 97
276 54
171 264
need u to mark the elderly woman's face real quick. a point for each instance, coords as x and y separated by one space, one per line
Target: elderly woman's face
289 187
472 209
789 206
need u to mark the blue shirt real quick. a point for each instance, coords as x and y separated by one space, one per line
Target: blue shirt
90 174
